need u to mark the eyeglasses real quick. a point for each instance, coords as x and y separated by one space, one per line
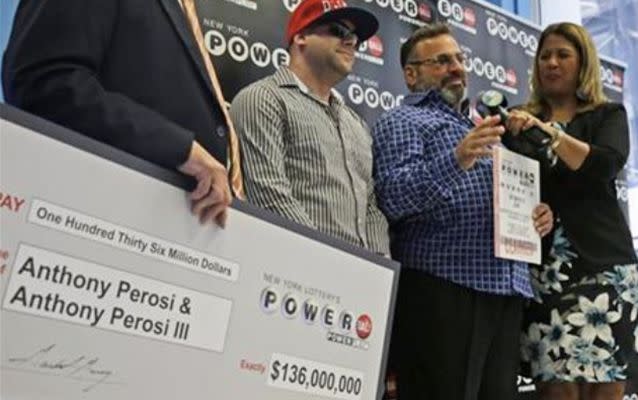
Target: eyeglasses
340 31
442 60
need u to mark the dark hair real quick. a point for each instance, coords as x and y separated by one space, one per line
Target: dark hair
426 32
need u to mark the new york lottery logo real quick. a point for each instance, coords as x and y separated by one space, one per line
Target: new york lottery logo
512 34
490 70
344 327
240 50
500 77
456 12
373 97
371 51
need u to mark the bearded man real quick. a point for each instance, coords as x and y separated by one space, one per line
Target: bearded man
459 308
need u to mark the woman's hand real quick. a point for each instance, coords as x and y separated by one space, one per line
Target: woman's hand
543 219
519 121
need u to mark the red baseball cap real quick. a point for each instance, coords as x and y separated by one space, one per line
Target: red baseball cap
324 11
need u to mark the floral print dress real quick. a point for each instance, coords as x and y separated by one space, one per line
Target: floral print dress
579 327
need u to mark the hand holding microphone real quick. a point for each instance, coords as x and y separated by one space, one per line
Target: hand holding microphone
492 102
525 133
477 143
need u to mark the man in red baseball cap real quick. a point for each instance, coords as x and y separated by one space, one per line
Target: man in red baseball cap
306 155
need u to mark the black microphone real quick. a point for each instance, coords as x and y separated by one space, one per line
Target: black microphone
492 102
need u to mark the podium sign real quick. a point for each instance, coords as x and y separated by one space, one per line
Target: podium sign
111 289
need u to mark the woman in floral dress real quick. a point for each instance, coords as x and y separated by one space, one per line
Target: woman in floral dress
579 337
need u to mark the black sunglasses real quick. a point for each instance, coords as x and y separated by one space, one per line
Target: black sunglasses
339 31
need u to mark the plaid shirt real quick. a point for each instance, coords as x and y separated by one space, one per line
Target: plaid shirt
441 217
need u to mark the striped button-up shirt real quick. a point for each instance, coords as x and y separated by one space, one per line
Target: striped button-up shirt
309 160
441 216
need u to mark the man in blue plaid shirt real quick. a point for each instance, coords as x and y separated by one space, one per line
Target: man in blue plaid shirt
459 308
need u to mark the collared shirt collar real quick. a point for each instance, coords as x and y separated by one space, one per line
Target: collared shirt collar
284 77
418 98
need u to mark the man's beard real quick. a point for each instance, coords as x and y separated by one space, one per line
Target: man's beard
453 97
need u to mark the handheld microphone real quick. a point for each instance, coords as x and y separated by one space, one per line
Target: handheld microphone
492 102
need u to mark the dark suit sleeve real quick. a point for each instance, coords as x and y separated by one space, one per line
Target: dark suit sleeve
609 144
52 68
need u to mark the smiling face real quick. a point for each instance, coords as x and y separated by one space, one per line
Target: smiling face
331 48
437 62
559 65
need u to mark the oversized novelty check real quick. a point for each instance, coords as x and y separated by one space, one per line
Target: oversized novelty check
111 289
516 194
